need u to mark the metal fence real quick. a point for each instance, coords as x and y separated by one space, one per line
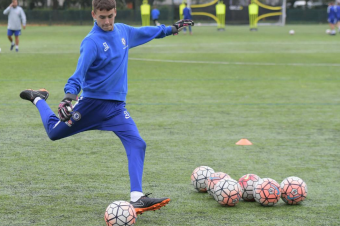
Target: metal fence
168 15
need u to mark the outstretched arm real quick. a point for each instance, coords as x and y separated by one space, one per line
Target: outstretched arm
141 35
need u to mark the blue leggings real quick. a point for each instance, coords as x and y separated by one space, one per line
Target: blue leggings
185 29
108 115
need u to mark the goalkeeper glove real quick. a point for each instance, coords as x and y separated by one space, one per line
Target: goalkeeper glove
65 107
179 25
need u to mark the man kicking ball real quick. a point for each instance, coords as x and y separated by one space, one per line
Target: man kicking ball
101 74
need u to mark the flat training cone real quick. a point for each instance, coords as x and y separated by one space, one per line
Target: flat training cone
244 142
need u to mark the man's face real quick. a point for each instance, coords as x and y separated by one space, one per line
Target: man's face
105 19
14 3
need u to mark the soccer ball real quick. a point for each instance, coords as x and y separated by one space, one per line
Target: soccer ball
267 192
328 31
120 213
293 190
199 176
291 32
227 192
247 183
214 179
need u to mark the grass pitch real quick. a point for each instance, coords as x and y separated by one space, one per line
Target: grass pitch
192 97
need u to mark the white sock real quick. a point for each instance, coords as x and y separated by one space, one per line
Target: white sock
135 195
17 47
36 100
13 43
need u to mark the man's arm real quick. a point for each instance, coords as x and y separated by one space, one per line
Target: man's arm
6 11
73 86
88 51
23 18
141 35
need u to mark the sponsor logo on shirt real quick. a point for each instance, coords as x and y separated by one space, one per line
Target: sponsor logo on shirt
106 47
124 43
127 115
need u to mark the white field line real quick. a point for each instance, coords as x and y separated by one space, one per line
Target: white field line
200 52
247 51
239 63
239 43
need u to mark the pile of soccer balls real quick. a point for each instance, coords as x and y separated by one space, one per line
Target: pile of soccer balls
250 187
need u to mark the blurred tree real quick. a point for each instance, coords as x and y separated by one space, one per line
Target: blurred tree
5 3
55 4
85 3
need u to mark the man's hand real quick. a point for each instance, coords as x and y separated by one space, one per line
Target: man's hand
179 25
65 110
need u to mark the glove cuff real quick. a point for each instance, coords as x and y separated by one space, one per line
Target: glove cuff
174 30
69 96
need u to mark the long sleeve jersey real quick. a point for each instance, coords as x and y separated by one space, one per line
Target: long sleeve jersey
102 66
331 11
16 16
155 14
187 13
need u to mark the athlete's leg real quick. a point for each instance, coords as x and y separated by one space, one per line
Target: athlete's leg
10 38
119 121
85 117
16 40
135 150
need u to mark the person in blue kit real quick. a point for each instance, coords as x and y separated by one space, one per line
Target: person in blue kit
338 14
187 16
155 15
331 12
101 74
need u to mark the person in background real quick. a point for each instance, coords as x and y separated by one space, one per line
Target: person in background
338 14
155 15
187 16
331 12
16 17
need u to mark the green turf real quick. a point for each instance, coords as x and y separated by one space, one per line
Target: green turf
193 98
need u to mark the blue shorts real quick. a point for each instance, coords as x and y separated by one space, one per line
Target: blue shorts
332 20
15 32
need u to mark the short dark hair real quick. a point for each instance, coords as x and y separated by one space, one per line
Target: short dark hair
103 4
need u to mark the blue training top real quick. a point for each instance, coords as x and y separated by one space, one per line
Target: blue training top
186 13
331 10
155 14
337 8
102 66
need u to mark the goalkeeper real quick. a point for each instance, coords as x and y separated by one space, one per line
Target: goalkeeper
101 74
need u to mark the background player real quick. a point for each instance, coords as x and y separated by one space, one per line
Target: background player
331 12
16 16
